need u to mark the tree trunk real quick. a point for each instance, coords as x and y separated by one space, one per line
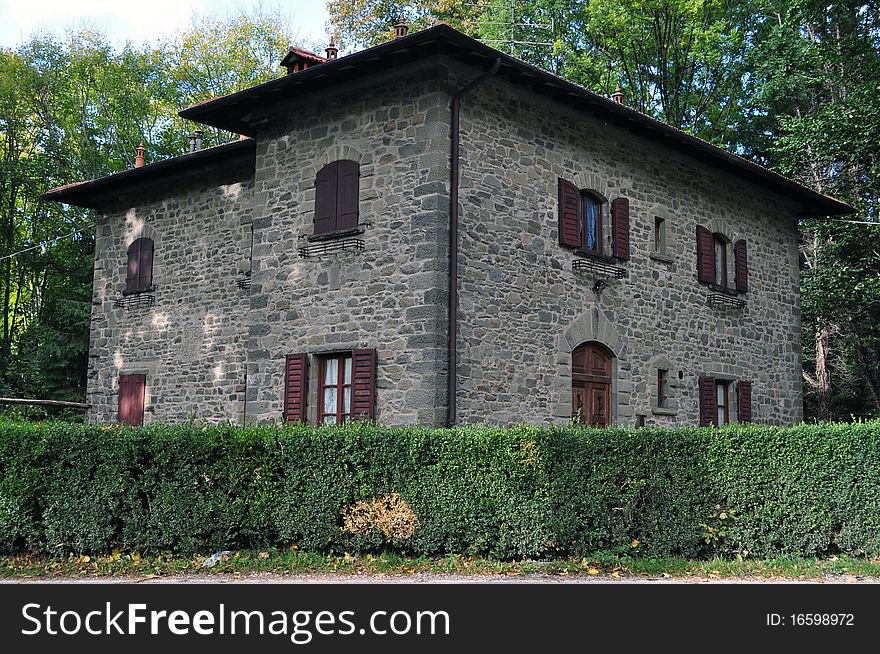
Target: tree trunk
823 374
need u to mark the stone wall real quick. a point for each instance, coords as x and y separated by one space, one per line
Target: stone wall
391 295
190 343
523 309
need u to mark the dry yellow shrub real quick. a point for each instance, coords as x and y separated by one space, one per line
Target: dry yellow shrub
529 453
389 514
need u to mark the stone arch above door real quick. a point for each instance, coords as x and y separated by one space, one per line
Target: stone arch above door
591 326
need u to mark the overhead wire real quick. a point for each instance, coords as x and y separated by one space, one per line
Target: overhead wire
47 243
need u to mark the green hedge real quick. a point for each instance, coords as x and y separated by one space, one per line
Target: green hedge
811 490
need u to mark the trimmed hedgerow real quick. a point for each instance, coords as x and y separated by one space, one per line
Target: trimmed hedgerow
517 492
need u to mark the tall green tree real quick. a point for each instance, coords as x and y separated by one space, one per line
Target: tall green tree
681 61
217 56
817 104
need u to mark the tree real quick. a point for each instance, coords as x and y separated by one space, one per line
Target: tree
681 61
817 76
364 23
219 56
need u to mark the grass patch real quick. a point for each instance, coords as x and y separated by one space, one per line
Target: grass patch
248 562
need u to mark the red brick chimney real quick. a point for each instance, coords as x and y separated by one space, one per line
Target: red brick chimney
331 50
618 95
139 160
400 29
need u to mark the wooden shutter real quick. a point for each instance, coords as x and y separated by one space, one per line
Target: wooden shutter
139 275
705 255
131 399
363 384
326 198
347 191
741 263
296 387
620 209
569 209
145 268
134 261
744 400
708 409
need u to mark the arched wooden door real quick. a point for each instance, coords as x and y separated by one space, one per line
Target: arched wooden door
591 384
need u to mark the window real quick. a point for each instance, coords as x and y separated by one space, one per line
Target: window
720 248
139 276
591 223
336 197
131 399
713 261
662 388
722 397
714 399
582 224
659 236
346 387
334 390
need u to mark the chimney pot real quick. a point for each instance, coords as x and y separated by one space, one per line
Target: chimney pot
195 141
140 160
617 96
331 50
400 29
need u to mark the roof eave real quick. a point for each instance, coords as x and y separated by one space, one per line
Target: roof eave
218 112
89 194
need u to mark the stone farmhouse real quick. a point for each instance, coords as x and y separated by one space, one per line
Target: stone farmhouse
432 232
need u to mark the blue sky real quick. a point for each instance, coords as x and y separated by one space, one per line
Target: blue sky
145 20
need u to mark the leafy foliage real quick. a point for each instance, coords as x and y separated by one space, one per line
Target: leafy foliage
741 491
821 66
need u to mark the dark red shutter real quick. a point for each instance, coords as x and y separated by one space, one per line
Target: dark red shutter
705 255
744 400
348 187
145 268
325 199
132 279
741 263
131 399
296 387
708 410
620 209
363 384
569 209
139 275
